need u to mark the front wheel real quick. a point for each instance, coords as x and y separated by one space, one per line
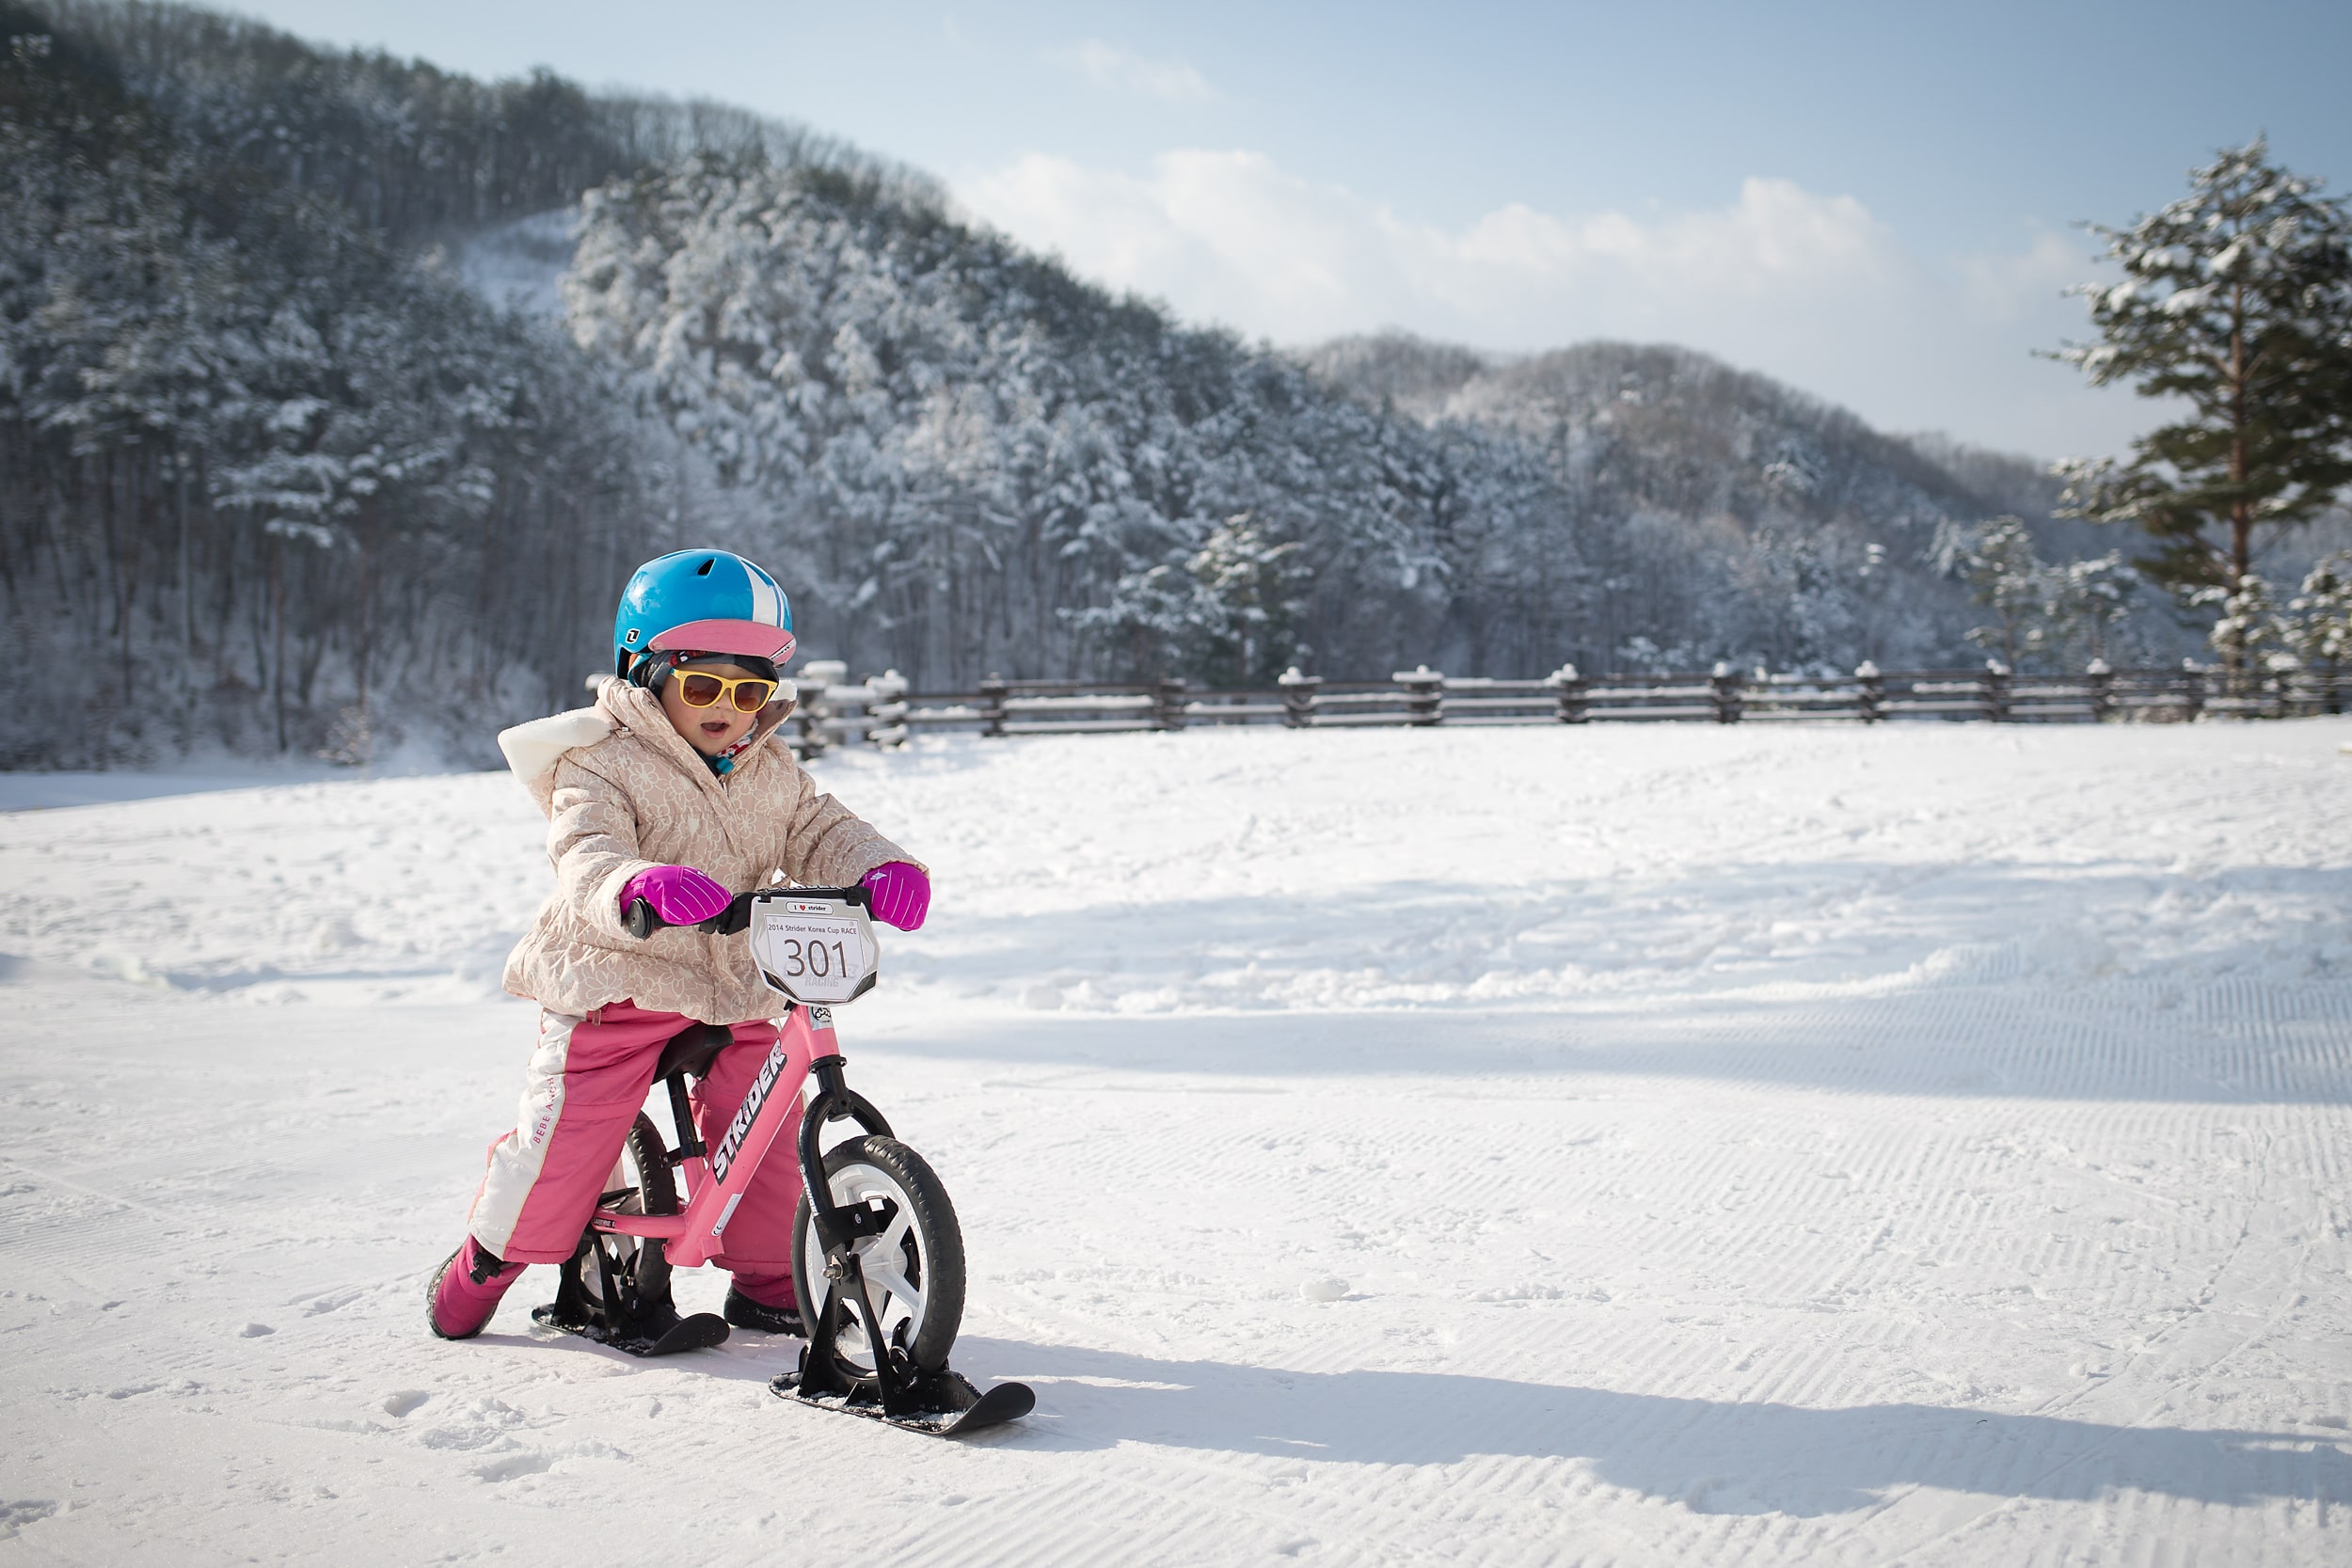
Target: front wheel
913 1266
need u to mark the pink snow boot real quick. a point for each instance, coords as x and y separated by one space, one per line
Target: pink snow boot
766 1301
465 1293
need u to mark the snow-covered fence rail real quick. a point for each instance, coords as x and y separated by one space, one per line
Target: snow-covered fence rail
882 711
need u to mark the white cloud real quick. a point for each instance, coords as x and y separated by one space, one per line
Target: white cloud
1812 288
1118 69
2000 287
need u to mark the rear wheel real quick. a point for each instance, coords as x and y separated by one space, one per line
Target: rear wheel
913 1266
640 1183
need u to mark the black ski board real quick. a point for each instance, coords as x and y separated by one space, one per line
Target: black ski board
961 1409
699 1332
1006 1402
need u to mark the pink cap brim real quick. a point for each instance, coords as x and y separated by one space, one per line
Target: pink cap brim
756 637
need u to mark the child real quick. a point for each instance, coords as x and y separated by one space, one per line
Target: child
669 790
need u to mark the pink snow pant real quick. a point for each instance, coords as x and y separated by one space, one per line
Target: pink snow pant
582 1093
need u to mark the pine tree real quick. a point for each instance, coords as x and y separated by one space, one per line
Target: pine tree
2248 631
2006 576
2237 299
2321 631
1249 594
2089 600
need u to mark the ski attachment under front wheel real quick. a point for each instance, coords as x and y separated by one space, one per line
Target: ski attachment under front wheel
892 1387
948 1405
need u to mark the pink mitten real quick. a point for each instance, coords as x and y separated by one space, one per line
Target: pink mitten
902 895
681 895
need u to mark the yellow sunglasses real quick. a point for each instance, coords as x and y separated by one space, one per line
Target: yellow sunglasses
747 693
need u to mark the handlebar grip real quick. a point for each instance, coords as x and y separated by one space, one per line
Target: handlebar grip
641 920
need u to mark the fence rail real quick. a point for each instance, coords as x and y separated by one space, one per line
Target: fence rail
882 711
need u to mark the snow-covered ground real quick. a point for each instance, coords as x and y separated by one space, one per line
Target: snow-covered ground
1923 1145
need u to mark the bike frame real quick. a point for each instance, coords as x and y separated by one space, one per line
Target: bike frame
716 1179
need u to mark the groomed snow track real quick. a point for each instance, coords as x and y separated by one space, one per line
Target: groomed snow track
1801 1147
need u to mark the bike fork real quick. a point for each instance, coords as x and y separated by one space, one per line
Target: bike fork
838 1229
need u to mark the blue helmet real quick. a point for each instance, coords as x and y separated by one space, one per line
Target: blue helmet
709 601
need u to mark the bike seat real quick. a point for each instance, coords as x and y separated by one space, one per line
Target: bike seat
690 1049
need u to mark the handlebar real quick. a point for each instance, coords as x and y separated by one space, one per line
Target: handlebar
641 922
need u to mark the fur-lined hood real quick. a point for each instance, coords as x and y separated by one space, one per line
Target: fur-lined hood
531 749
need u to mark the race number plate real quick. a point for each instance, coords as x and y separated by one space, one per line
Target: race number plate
814 948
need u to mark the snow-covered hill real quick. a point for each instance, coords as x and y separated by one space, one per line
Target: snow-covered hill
1624 1146
386 377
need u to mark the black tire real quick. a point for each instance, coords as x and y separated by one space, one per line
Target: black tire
916 1267
641 1266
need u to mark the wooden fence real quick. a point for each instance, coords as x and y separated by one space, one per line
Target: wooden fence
882 711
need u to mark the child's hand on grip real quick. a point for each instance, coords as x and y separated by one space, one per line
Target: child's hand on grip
681 895
902 894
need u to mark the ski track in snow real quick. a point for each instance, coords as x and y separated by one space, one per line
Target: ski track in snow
1920 1146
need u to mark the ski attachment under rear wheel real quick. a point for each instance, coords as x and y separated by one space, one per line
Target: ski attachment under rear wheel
699 1332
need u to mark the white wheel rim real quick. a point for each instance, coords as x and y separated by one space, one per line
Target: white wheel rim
883 1258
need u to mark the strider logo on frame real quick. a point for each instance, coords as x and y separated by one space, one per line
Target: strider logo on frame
820 1016
748 1113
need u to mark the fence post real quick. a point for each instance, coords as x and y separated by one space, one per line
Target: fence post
1575 694
993 691
1168 704
2281 684
886 709
815 712
1869 699
1299 698
2192 689
1424 695
2303 691
1724 681
1994 684
2102 681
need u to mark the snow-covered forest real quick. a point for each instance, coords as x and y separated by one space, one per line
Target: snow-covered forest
266 438
255 441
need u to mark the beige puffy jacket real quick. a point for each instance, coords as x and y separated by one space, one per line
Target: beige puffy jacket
623 791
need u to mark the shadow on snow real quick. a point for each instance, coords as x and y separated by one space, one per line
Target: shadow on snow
1714 1456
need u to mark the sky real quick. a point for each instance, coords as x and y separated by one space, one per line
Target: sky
1879 204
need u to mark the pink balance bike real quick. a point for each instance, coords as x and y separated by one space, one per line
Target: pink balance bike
876 1256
